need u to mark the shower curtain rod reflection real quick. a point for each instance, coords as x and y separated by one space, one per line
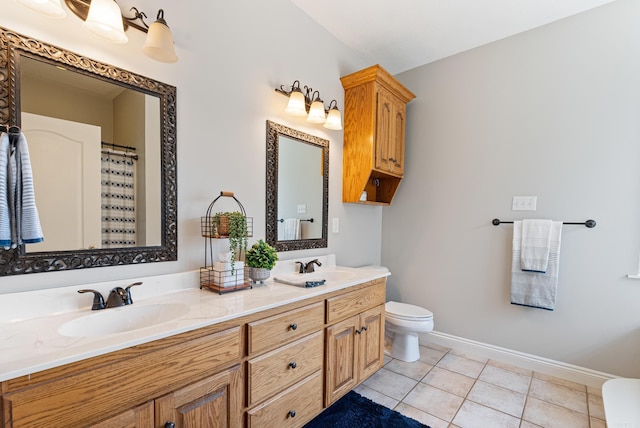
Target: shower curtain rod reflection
589 223
111 152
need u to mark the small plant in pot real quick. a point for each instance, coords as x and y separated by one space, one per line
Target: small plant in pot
232 225
261 258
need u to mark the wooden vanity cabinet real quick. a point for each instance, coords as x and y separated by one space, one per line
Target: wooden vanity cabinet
191 377
279 367
354 345
374 135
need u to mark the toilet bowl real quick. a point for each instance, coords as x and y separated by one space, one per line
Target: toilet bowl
402 324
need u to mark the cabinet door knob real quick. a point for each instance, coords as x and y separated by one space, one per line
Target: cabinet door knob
292 413
364 328
169 425
293 326
359 331
293 365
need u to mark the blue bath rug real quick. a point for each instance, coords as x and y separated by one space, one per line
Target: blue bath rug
355 411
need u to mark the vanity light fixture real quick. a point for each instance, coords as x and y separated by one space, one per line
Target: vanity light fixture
105 19
307 102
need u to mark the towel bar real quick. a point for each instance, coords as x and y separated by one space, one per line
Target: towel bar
310 220
589 223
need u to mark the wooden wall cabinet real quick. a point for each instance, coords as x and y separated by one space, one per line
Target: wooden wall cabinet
374 135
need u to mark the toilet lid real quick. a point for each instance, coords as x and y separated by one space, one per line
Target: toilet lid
407 311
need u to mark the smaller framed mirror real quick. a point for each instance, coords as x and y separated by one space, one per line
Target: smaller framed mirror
297 184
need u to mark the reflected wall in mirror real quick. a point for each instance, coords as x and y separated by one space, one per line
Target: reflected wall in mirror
297 189
89 125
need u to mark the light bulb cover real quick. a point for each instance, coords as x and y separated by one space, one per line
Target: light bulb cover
159 42
297 103
316 112
105 21
334 119
50 8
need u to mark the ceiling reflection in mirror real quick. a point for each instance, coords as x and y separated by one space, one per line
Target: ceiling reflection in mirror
102 145
297 189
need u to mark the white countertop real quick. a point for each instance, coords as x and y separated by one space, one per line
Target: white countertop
32 344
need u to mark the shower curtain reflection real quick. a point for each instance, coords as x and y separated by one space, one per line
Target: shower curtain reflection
118 199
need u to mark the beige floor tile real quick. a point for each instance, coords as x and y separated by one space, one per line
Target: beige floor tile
559 381
462 365
505 379
421 416
376 396
525 424
570 398
431 355
449 381
436 347
390 384
594 391
549 415
596 406
415 370
473 415
387 359
495 397
434 401
515 369
597 423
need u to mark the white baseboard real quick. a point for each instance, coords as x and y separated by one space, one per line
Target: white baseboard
546 366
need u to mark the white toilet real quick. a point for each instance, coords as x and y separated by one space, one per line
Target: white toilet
402 324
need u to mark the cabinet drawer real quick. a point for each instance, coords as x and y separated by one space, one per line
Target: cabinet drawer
291 408
269 333
354 302
276 370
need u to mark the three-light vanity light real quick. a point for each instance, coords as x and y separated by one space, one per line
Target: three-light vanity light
105 19
309 104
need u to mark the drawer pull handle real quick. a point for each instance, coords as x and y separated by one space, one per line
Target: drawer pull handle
294 326
292 413
293 365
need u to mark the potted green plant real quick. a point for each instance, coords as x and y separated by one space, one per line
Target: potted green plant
232 225
261 258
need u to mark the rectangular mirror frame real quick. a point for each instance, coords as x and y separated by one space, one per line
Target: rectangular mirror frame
16 261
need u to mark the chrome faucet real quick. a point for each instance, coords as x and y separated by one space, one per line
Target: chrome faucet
308 268
118 296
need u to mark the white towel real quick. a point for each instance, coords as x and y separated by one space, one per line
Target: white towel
535 289
19 220
536 241
291 229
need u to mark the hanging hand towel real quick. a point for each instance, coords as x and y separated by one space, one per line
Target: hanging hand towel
535 289
291 228
19 220
536 241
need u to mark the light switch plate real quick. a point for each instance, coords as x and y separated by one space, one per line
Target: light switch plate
336 225
524 203
302 208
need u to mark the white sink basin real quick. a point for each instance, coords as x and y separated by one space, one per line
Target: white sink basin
119 320
302 278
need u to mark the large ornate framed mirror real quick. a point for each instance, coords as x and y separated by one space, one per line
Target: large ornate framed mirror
81 117
297 199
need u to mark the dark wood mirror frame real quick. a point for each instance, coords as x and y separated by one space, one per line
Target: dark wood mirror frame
16 261
274 130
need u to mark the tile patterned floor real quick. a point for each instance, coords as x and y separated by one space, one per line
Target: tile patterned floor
449 389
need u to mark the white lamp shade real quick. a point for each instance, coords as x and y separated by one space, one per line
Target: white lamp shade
296 105
50 8
105 21
159 43
334 120
316 112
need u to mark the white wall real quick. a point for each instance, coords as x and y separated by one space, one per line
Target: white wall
553 112
232 57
